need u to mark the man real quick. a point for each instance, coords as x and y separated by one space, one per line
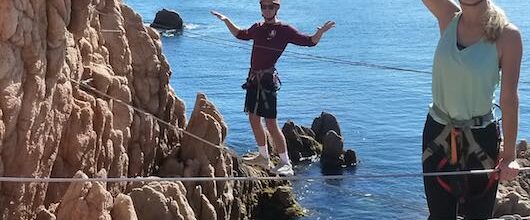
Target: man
270 39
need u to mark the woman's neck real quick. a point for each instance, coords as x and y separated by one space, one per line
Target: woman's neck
474 15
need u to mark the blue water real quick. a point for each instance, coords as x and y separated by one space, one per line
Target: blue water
381 112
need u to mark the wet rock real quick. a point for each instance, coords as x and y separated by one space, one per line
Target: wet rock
301 143
333 155
321 125
168 20
350 158
332 151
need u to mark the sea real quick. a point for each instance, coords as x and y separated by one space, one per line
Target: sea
372 71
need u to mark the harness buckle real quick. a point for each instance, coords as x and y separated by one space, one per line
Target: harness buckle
478 121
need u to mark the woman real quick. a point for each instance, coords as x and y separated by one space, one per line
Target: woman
477 43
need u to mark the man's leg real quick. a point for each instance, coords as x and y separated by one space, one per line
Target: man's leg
277 135
284 167
263 158
257 128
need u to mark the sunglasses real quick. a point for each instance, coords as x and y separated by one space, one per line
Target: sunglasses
270 7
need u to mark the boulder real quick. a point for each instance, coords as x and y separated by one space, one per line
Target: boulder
301 143
321 125
167 20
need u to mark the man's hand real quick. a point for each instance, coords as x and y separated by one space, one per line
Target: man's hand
219 15
328 25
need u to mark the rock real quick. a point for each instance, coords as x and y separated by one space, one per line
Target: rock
278 203
350 158
162 201
332 151
85 200
123 208
168 20
321 125
522 147
52 125
43 214
301 144
206 122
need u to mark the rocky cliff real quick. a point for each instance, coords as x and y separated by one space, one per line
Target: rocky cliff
70 74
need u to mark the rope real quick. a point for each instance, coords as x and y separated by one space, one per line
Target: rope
403 175
246 178
110 31
84 85
298 54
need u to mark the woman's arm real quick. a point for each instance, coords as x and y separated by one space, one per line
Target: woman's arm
510 59
443 10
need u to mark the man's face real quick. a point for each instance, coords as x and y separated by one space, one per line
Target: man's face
268 9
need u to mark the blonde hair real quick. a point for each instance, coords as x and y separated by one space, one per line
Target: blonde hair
494 22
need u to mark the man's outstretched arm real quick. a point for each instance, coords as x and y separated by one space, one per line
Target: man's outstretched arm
321 30
231 26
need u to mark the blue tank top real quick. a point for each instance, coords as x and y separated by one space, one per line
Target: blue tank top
464 81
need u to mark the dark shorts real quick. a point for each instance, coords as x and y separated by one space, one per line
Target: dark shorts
479 199
261 103
262 88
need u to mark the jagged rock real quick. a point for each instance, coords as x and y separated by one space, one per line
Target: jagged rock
301 143
521 148
207 123
123 208
50 125
207 209
44 214
278 203
168 20
161 201
85 200
321 125
53 125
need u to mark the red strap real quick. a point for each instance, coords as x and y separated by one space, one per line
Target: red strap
442 183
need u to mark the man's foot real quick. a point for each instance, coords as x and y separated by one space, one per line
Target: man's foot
284 169
259 160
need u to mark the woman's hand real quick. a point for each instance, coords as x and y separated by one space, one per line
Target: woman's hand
509 168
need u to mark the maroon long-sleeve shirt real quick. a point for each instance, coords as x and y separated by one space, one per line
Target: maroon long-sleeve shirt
270 41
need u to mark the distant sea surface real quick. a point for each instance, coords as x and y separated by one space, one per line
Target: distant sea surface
381 112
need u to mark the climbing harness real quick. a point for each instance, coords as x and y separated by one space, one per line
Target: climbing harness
456 153
263 81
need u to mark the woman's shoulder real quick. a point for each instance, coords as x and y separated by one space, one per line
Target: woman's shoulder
510 35
509 43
